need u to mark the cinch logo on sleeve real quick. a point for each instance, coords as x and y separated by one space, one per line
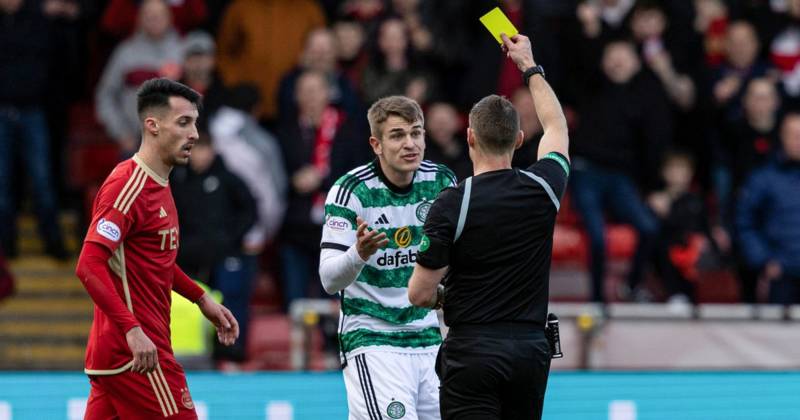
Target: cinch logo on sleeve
108 230
338 224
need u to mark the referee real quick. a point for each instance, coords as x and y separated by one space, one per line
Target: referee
491 240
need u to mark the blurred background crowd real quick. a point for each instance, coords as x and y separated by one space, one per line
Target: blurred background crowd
684 118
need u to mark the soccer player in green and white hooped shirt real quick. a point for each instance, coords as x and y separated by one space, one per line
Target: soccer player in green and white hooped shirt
373 229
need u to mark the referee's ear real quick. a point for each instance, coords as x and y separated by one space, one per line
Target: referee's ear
470 138
520 140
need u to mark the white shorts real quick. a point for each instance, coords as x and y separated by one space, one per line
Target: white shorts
386 385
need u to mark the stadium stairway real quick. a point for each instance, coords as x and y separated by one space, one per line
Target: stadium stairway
44 325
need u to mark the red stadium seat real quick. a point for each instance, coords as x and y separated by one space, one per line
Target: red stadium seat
269 344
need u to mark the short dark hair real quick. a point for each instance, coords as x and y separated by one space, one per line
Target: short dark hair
243 96
401 106
155 93
495 122
649 6
678 155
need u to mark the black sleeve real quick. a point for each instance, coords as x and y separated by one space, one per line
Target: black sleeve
440 229
554 169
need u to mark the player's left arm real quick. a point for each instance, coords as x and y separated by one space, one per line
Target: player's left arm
219 315
433 258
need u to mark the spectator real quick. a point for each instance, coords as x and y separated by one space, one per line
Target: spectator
607 18
740 66
119 17
648 25
768 218
319 146
673 52
529 123
748 142
6 279
743 146
199 71
394 70
155 50
259 42
684 228
350 49
24 69
711 22
419 35
254 155
69 58
785 55
216 210
445 144
367 12
622 131
319 55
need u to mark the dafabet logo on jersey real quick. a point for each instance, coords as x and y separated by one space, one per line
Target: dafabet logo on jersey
397 259
108 230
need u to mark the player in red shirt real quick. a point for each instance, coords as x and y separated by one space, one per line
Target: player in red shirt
128 267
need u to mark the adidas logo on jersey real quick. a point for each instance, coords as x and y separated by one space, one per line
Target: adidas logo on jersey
162 213
383 220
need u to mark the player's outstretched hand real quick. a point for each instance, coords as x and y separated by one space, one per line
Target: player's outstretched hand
145 354
368 241
222 318
518 48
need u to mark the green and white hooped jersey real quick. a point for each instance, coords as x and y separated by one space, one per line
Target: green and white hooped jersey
375 309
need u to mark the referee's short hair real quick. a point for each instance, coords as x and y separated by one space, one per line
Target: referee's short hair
400 106
155 93
495 123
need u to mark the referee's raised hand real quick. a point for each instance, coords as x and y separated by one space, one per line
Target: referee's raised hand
518 48
368 241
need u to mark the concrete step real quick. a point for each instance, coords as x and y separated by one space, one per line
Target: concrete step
29 243
49 286
51 356
24 306
31 265
29 329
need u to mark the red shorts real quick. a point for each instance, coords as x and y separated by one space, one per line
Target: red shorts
162 393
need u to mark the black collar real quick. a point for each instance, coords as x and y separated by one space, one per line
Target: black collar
394 188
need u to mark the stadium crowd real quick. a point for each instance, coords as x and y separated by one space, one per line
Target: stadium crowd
684 118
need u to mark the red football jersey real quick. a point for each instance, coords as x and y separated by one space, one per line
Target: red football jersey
134 216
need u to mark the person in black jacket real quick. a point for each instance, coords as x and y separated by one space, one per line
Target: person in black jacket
319 145
685 232
216 211
25 47
622 131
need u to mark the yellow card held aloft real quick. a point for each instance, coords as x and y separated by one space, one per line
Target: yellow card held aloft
497 23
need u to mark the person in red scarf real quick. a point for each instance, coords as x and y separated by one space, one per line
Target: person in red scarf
318 146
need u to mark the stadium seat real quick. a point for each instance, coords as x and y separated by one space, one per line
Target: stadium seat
269 344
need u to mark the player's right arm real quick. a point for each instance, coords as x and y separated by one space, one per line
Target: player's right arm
110 225
347 242
548 109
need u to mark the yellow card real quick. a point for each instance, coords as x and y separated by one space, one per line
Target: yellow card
497 23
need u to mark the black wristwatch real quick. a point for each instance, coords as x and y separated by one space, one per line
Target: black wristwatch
526 75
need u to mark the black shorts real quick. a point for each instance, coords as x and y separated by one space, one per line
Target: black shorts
496 371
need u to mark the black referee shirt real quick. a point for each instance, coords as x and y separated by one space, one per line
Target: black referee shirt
500 263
